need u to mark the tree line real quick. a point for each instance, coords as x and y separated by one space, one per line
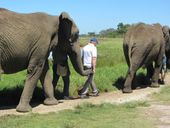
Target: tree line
111 32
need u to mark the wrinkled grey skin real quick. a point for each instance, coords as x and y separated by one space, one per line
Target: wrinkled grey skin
68 43
71 50
144 44
25 43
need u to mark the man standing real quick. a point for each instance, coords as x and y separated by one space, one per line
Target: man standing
89 54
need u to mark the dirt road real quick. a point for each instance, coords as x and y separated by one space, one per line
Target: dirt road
112 97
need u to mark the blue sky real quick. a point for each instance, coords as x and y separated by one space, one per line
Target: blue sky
96 15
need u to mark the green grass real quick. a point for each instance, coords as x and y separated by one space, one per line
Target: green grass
109 51
12 80
84 116
163 96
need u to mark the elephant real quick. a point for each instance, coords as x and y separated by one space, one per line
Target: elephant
144 45
26 41
166 30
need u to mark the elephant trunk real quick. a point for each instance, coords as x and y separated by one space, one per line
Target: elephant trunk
76 60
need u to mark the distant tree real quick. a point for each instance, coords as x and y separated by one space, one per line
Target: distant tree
91 33
122 28
113 33
107 33
82 35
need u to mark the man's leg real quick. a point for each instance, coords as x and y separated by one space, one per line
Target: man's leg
85 88
92 84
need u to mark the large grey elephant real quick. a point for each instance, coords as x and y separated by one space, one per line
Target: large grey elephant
144 44
166 30
25 43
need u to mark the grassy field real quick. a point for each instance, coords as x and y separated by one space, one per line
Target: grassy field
84 116
163 96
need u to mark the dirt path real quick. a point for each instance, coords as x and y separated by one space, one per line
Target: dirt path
112 97
160 112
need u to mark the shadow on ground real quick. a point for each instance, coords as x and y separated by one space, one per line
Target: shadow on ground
140 82
11 96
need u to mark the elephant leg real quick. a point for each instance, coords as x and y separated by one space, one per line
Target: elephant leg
130 78
150 71
156 73
134 82
127 86
66 80
55 76
155 76
1 70
158 65
46 82
33 73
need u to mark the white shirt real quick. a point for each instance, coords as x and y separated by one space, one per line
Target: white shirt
89 51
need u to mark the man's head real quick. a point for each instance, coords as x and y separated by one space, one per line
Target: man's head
94 41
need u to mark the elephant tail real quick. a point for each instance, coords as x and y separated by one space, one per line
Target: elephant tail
126 51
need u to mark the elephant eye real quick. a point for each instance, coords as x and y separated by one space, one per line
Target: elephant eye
74 37
71 44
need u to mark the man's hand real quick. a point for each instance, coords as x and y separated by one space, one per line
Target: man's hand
94 70
94 64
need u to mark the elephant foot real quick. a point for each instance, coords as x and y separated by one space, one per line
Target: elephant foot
23 108
1 71
155 85
50 101
127 90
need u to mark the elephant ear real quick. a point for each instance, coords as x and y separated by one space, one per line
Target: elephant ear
166 32
67 28
65 25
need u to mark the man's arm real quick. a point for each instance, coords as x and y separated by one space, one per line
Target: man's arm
94 64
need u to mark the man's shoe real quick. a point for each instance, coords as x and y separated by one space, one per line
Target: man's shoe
83 96
81 92
96 93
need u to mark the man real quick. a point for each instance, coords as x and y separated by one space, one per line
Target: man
61 68
89 54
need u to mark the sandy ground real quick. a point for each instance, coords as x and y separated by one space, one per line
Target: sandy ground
160 112
112 97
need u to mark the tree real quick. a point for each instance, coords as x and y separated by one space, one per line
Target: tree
107 33
122 29
91 33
